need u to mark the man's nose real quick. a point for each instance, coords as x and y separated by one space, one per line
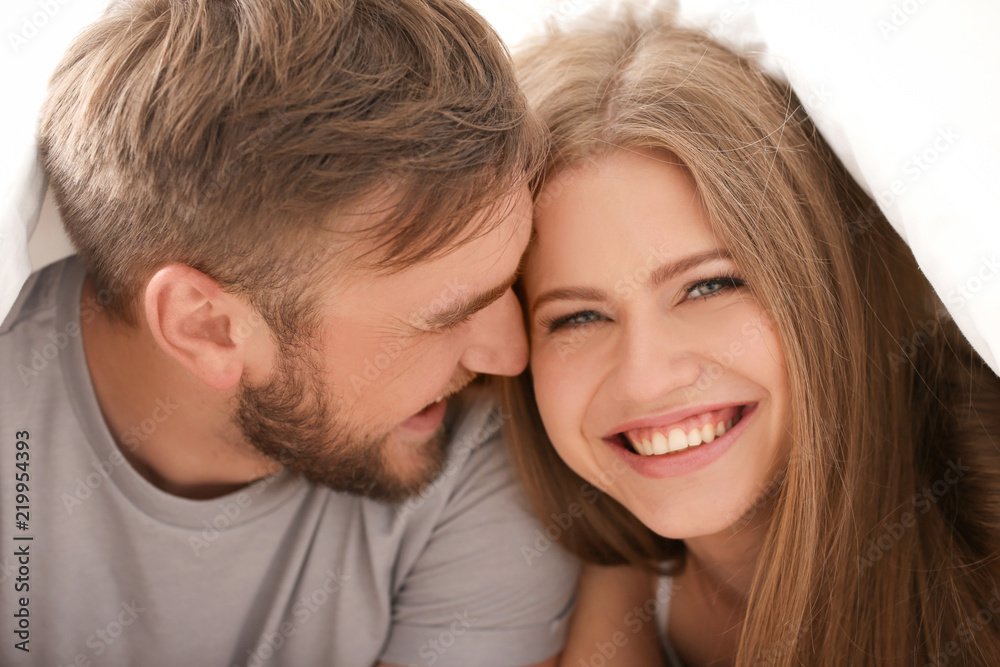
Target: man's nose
497 343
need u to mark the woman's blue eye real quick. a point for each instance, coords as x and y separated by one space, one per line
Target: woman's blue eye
713 286
573 320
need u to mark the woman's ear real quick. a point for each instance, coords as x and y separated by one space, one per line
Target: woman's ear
194 321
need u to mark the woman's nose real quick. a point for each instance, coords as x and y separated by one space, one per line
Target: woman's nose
653 362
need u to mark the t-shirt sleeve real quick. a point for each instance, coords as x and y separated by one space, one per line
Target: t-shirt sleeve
489 589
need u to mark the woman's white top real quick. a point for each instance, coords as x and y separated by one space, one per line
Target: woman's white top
664 590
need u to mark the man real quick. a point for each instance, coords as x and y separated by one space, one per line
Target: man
232 426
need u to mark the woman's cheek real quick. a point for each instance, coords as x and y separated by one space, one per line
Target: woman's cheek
558 391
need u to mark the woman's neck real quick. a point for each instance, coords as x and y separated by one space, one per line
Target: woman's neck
710 594
725 562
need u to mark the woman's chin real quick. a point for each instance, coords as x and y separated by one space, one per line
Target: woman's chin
688 527
691 519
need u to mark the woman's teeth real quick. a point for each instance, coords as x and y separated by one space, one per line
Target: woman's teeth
676 439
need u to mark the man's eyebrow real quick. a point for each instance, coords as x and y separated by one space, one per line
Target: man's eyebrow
469 306
657 277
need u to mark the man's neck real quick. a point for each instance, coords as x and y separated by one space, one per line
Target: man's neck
173 429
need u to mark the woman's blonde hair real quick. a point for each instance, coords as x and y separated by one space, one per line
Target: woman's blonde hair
884 533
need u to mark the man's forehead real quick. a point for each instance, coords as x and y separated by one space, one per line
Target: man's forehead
442 290
362 233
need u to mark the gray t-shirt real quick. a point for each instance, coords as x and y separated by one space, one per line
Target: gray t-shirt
99 567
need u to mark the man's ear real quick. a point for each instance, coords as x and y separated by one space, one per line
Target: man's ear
193 320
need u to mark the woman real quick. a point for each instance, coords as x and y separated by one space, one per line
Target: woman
731 343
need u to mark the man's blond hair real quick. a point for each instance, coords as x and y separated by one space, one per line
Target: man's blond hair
240 138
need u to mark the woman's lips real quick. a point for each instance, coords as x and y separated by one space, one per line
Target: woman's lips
689 458
690 432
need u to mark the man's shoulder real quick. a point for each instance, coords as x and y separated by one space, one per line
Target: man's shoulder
40 293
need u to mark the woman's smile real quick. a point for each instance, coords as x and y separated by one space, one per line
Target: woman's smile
652 453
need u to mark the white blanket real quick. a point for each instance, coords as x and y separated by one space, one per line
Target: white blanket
908 94
34 35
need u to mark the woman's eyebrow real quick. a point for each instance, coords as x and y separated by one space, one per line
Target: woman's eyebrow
566 293
670 269
657 277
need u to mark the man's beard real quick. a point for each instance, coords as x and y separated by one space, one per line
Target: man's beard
293 419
